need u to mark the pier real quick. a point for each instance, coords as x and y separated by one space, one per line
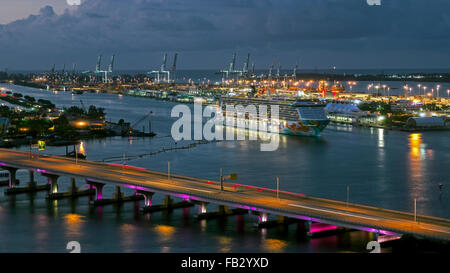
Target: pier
313 214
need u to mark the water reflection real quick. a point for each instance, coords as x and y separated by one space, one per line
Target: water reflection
416 160
73 223
224 243
165 233
380 138
127 237
381 148
41 231
415 141
274 245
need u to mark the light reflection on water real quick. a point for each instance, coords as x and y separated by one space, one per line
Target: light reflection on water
274 245
225 243
417 158
41 232
73 224
165 233
127 237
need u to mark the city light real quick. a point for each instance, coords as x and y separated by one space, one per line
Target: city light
81 123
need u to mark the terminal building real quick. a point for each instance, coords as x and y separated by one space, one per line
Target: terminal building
428 123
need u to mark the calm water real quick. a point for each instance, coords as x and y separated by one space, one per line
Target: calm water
382 168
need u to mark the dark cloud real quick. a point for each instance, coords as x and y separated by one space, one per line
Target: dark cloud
347 33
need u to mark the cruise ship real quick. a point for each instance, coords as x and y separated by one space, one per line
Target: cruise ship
297 117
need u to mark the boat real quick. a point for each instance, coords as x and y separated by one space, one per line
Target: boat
77 155
297 116
77 92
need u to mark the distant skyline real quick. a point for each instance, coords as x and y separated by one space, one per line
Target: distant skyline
348 34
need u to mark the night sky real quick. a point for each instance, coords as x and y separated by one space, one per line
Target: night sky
35 34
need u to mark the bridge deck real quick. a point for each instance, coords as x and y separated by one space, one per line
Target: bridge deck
241 196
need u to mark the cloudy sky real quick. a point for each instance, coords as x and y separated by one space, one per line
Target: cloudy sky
34 34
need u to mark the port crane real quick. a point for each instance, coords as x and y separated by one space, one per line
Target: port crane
271 70
104 73
294 73
231 70
163 69
130 130
74 68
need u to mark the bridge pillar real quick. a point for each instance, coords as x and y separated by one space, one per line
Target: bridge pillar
147 197
119 194
31 183
98 188
12 176
72 193
31 172
54 184
376 234
223 209
305 227
168 201
202 207
263 217
167 205
53 181
73 186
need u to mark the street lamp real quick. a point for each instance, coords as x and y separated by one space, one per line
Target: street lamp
278 188
168 170
415 210
232 176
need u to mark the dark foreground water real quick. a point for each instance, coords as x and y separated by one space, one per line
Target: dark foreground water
382 168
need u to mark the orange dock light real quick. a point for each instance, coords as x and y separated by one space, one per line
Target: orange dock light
81 123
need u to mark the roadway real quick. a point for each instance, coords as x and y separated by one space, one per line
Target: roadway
236 195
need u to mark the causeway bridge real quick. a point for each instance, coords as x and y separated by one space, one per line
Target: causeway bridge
313 214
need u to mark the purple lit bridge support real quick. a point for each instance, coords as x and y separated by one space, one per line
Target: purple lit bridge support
168 202
305 225
315 228
53 182
98 187
222 211
31 186
118 196
72 193
147 198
